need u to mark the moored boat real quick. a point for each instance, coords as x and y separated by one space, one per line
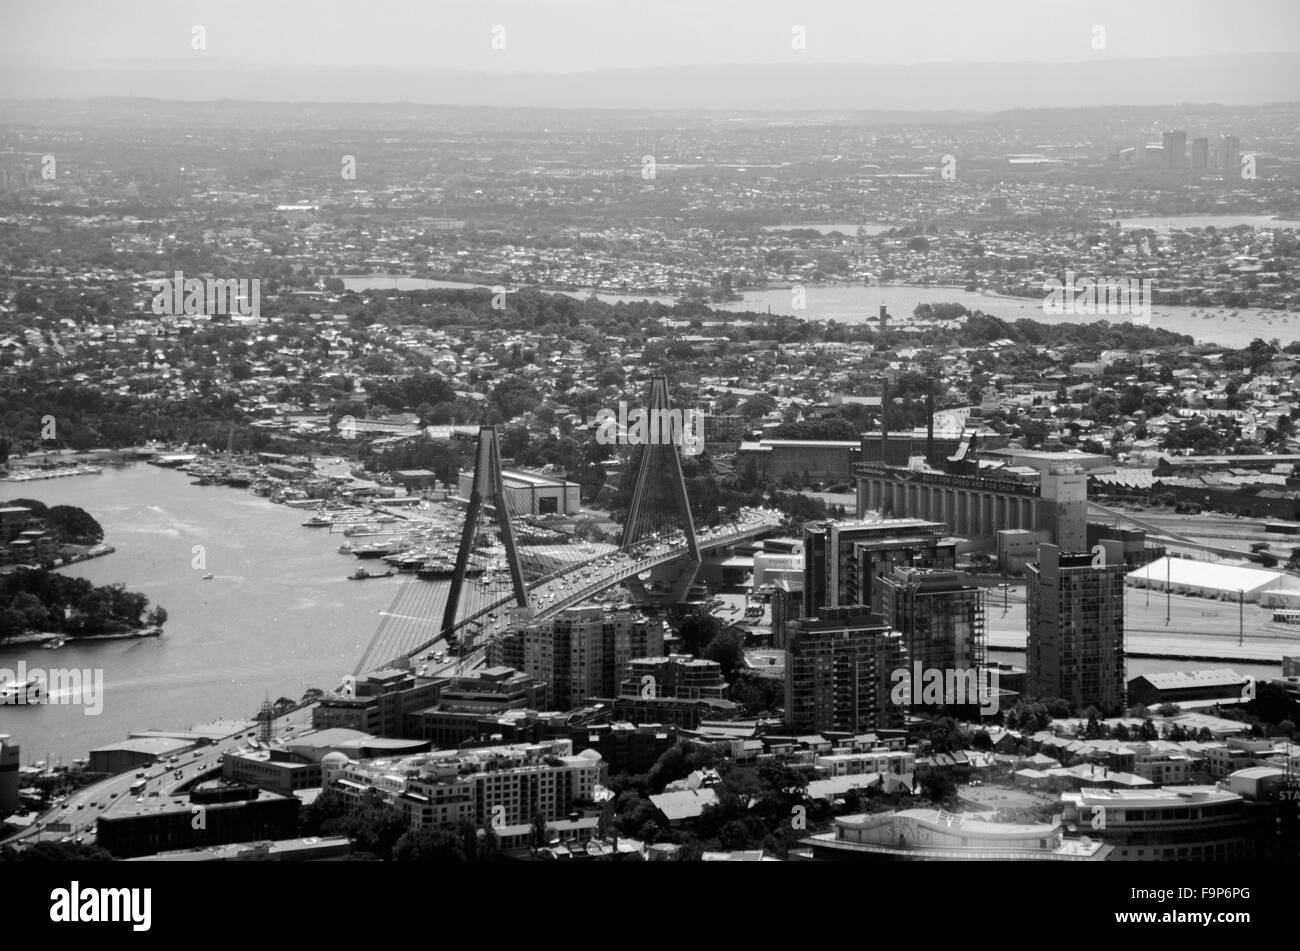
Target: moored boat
20 692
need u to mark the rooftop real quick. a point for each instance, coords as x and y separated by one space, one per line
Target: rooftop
1174 679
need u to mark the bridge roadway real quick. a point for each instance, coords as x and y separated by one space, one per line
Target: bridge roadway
1160 533
571 586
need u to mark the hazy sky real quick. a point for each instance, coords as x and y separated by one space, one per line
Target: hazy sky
579 35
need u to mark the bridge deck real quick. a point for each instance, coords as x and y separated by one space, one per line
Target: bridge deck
549 595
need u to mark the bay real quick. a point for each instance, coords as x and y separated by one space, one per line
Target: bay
855 304
277 618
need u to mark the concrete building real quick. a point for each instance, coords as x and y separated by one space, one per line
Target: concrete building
1063 509
13 520
808 460
786 605
1015 548
1183 823
724 432
844 560
625 747
276 770
581 652
9 762
1174 144
940 615
679 676
930 835
380 703
1075 617
532 493
230 814
672 712
678 690
837 672
415 479
898 762
1230 157
1179 686
481 705
972 507
1033 491
1200 155
1122 545
770 567
315 746
502 785
898 448
133 753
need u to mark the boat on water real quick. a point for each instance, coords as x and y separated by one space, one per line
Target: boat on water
380 549
209 576
18 692
55 643
437 570
407 560
362 575
318 521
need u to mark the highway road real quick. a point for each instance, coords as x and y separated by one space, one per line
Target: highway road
167 782
584 581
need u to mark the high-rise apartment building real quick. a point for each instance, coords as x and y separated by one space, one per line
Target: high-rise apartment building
940 615
1230 156
844 560
837 672
1075 616
1200 155
1174 144
581 652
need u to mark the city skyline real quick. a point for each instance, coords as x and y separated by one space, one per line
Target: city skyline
334 528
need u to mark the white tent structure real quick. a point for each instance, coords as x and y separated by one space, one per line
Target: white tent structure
1210 580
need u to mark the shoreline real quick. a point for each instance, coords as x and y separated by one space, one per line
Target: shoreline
659 296
27 640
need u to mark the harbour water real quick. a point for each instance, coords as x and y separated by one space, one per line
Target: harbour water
277 617
855 304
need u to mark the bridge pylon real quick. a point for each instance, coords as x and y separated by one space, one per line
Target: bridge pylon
659 498
487 491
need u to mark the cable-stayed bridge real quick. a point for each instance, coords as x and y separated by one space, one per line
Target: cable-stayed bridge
510 568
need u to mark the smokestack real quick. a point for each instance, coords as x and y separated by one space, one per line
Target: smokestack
929 424
884 319
884 416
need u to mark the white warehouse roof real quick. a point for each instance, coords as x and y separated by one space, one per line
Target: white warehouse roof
1184 572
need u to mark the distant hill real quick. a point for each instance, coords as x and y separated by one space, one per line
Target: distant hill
979 87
